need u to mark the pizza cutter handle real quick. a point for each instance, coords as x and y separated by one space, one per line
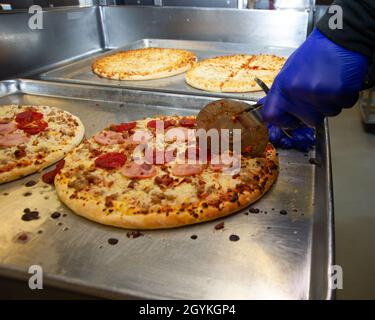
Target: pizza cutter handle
266 89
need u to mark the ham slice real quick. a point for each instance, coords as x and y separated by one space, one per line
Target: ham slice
138 171
185 170
13 139
8 127
109 138
139 137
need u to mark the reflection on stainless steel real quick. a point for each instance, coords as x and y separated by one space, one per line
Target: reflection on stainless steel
80 72
294 4
66 33
278 256
204 3
264 28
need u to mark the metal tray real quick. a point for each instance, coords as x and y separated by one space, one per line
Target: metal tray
277 256
80 72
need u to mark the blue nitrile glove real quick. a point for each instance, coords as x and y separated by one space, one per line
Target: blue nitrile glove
319 79
303 138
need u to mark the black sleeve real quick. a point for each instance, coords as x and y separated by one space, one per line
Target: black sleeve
358 33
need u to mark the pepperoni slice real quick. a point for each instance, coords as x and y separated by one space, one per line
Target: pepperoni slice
28 116
138 171
34 127
111 160
7 127
13 139
185 170
151 124
167 123
123 126
49 177
109 138
188 122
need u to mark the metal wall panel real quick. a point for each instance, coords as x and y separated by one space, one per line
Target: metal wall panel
127 24
202 3
136 2
66 33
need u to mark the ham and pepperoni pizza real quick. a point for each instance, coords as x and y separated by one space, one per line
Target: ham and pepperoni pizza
34 137
149 174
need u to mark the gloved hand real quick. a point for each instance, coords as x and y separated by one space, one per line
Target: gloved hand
319 79
303 138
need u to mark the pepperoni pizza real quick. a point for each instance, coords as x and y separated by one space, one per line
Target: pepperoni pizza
153 173
34 137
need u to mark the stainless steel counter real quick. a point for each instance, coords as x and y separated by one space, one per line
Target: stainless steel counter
278 256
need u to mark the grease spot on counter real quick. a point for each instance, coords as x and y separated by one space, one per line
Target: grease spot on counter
112 241
22 237
30 183
234 237
30 215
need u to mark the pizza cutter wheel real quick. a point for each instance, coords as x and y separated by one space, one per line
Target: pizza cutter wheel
232 114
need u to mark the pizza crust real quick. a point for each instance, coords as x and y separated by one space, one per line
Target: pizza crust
144 64
51 158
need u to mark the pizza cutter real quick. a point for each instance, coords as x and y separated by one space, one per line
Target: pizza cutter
233 114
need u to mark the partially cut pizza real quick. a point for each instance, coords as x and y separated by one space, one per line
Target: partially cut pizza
34 137
234 73
144 64
152 173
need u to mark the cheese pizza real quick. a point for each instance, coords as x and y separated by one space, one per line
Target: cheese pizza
234 73
144 64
